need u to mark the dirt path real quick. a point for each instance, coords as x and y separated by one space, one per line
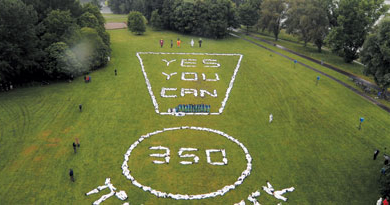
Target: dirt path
111 26
372 100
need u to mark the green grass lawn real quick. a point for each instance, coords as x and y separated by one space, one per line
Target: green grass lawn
326 55
115 18
313 143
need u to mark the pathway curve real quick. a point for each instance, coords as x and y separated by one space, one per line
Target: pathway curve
356 78
372 100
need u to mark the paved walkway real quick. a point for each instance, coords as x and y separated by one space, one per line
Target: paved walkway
372 100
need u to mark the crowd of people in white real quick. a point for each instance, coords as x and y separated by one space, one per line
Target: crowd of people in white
120 195
220 192
189 63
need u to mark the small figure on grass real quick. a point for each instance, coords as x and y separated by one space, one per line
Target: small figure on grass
192 42
360 124
161 43
200 43
81 107
77 142
171 43
71 175
178 42
74 147
271 118
376 154
116 72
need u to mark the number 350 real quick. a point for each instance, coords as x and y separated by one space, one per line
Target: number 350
195 159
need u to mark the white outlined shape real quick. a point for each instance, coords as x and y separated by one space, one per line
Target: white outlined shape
220 192
154 101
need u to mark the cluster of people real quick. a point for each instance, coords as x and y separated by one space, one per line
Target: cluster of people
193 108
224 159
6 86
196 158
277 194
120 195
224 190
166 155
87 78
386 168
178 42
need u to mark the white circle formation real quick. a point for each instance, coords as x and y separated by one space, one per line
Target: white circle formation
220 192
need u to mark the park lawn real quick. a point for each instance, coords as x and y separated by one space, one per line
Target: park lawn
326 55
313 143
115 18
331 72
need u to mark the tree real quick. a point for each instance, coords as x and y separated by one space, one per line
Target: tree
376 55
248 15
136 22
57 26
61 62
272 12
97 3
309 20
155 20
355 20
18 44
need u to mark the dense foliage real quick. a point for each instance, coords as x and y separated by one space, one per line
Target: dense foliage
60 39
376 55
309 20
354 21
272 13
136 22
200 17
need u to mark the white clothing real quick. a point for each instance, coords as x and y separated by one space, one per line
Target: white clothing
379 202
192 42
271 117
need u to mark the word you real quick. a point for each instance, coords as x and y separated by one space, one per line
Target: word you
191 65
120 195
195 158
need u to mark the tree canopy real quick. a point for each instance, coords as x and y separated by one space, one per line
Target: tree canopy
376 54
54 33
136 22
271 14
354 21
309 20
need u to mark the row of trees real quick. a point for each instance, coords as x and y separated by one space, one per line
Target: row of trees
199 17
342 24
43 40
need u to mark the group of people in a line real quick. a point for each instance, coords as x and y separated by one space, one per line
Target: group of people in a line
178 43
386 167
193 108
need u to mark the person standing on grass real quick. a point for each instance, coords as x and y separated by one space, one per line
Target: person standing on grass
178 42
386 201
77 142
271 117
81 107
74 147
171 43
161 43
71 175
376 154
115 72
192 42
200 43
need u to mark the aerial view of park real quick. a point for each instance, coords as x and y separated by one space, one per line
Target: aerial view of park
194 102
